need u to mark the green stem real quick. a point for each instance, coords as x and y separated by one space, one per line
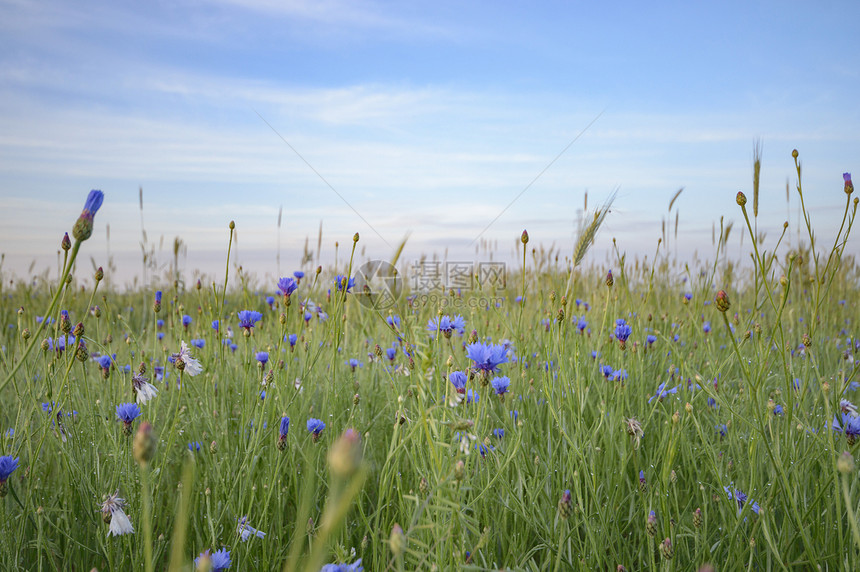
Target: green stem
35 337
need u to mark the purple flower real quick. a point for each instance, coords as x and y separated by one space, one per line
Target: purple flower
262 358
248 319
285 427
447 325
219 560
486 358
650 339
340 281
500 384
622 330
292 338
216 325
662 392
299 274
849 186
104 362
850 426
391 353
354 567
128 412
287 286
7 465
315 426
393 321
741 499
158 296
458 380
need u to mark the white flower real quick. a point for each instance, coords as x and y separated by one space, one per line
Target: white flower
144 390
245 531
119 522
192 366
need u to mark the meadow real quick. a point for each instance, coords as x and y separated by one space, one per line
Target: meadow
649 414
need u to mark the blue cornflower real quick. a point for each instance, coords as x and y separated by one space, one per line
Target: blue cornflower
340 281
284 428
500 384
308 317
486 358
127 412
606 370
194 446
286 286
219 560
619 375
315 426
198 343
216 325
299 275
354 567
662 392
158 296
354 363
447 325
471 396
391 353
650 339
582 324
722 429
186 320
159 323
706 327
622 330
546 323
499 433
248 319
7 465
270 300
777 410
393 321
292 338
741 499
483 449
262 358
458 380
850 426
104 362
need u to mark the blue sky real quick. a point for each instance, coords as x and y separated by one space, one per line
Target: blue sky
426 117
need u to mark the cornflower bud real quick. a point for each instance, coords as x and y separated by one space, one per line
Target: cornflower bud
144 443
83 228
722 301
564 505
666 549
845 463
741 198
397 541
66 243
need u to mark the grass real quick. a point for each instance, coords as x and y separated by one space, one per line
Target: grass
553 475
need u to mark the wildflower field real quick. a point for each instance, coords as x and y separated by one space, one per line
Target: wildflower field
649 414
